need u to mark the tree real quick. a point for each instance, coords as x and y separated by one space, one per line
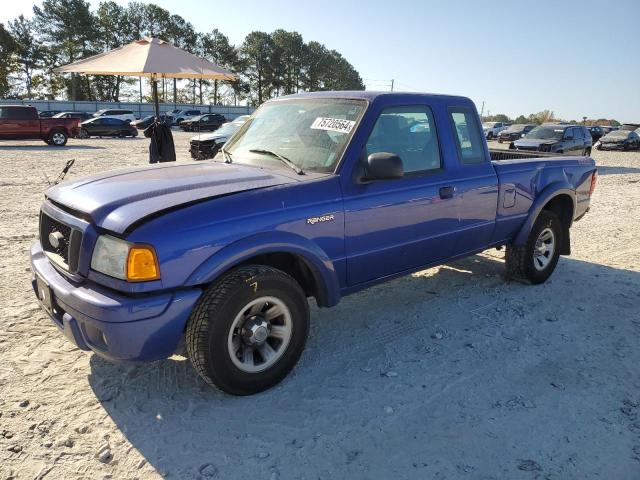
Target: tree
215 46
542 117
521 119
289 56
114 30
28 52
67 29
7 49
257 53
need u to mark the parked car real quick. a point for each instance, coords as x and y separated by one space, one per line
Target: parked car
48 113
19 122
207 146
126 115
570 139
514 132
107 127
82 116
492 129
620 140
143 122
321 195
181 115
608 128
241 118
596 133
200 123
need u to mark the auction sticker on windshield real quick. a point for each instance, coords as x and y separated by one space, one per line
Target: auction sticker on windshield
333 124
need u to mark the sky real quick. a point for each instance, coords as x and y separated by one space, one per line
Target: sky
575 57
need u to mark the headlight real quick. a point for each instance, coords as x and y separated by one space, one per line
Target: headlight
124 260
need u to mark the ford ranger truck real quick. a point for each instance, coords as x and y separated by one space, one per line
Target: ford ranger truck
18 122
317 195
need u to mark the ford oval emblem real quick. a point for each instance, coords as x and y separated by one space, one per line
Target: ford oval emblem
55 239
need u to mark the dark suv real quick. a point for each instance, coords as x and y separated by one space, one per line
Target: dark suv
570 139
596 132
514 132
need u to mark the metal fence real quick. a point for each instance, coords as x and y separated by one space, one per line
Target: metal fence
139 109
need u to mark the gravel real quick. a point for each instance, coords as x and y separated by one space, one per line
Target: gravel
530 381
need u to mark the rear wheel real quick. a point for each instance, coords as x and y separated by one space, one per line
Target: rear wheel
84 133
537 259
58 138
248 329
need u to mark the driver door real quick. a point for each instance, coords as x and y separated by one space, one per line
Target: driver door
400 224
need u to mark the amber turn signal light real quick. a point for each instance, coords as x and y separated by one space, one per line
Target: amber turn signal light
142 264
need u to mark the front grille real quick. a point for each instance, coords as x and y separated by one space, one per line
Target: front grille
530 149
65 248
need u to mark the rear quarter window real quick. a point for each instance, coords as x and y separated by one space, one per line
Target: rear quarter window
467 134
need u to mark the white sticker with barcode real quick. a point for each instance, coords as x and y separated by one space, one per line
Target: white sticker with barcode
333 124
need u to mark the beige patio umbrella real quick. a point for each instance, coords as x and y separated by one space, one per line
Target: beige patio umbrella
149 57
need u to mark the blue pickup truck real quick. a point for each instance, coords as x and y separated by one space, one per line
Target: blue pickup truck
317 195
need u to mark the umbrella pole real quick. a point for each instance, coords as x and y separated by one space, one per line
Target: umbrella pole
154 90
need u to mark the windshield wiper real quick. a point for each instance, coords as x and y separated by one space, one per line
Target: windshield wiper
282 158
226 155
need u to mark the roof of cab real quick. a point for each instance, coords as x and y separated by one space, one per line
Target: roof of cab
369 95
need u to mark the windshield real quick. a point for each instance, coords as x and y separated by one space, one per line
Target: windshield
618 133
59 115
515 128
311 133
546 133
228 128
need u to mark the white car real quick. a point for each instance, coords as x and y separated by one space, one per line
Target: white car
492 129
207 146
179 117
126 115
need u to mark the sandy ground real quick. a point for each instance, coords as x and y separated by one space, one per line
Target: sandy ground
448 373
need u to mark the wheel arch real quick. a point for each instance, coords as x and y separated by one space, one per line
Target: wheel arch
559 198
304 260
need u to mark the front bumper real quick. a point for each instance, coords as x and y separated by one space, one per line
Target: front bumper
115 326
202 151
612 146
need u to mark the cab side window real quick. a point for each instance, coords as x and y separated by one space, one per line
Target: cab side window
467 132
410 133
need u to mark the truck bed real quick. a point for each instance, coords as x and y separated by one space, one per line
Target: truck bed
498 154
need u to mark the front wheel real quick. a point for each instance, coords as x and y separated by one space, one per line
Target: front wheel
537 259
248 329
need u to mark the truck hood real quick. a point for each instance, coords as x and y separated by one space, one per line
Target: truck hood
534 142
117 199
209 136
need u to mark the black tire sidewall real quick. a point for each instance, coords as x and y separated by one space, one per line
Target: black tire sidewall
546 219
219 365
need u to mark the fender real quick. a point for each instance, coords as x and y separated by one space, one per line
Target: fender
319 263
548 193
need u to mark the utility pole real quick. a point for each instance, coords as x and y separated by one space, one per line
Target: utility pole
392 80
482 109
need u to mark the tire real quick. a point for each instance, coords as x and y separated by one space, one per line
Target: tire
490 136
587 152
58 138
522 262
218 334
84 133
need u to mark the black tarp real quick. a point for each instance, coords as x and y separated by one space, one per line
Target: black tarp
161 148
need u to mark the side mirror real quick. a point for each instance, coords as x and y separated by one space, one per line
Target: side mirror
384 166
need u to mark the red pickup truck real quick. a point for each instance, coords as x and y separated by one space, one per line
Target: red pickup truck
18 122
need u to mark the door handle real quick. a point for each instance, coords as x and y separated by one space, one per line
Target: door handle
446 192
